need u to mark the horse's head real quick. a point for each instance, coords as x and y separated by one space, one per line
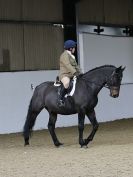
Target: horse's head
114 81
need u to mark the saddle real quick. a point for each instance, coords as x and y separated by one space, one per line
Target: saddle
71 88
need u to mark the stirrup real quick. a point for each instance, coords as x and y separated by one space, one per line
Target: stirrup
61 103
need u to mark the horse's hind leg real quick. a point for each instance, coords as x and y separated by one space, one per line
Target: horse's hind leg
51 127
29 123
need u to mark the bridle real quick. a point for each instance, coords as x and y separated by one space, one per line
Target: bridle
109 80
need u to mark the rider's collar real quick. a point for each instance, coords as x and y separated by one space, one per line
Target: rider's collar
70 54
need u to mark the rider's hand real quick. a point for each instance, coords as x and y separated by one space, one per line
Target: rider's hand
80 75
76 73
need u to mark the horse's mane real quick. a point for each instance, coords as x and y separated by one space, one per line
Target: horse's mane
100 67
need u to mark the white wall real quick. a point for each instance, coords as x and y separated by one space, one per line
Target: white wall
109 108
100 50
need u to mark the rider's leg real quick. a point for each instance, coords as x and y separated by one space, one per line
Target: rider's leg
65 84
65 80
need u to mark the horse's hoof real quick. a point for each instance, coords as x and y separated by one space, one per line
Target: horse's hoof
26 144
58 144
84 146
84 143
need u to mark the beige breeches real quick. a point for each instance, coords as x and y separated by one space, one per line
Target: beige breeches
65 80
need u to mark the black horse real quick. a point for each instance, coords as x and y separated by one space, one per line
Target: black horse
82 102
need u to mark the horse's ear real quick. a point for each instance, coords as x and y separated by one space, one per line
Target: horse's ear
120 69
123 68
117 70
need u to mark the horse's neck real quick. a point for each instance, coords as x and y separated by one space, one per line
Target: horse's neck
98 77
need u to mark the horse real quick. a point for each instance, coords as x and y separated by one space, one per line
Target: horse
83 101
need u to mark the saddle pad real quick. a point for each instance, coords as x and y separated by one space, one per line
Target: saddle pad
57 84
73 87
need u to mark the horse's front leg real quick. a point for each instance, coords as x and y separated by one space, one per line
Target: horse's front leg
51 127
81 118
92 117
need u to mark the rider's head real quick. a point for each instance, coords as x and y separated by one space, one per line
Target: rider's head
70 45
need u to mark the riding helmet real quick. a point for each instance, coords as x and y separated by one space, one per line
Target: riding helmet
69 44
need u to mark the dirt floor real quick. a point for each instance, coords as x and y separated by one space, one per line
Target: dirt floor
109 155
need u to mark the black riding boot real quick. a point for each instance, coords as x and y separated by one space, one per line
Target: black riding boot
61 94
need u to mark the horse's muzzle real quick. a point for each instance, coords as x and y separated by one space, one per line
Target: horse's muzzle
114 96
114 92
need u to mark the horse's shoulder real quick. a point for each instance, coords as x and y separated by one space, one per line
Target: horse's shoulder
81 82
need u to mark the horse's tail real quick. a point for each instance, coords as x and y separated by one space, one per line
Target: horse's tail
35 107
29 123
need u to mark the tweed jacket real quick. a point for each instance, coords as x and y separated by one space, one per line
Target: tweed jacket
68 65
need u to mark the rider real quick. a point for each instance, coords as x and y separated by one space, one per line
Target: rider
68 68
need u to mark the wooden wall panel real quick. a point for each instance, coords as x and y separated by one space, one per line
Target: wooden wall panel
43 46
43 10
131 12
116 12
90 11
30 47
10 9
38 10
112 12
11 45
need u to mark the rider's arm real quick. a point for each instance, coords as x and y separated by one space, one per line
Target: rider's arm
66 62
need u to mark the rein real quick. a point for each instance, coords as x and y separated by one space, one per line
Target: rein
105 85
